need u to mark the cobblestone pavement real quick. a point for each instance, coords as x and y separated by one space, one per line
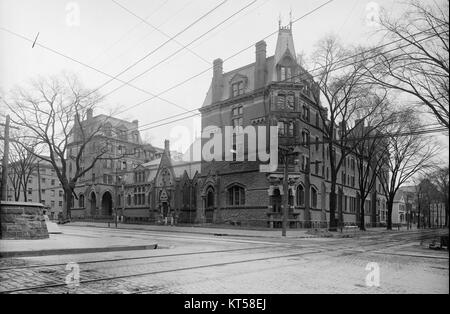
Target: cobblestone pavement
195 263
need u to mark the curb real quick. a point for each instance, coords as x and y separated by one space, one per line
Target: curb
77 250
216 234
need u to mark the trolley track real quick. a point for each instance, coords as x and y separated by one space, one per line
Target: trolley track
303 246
317 248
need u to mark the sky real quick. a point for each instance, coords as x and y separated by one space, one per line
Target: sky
104 35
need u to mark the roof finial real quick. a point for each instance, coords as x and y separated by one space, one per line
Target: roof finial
279 20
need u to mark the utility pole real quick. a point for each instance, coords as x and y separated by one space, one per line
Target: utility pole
308 189
286 195
5 160
287 151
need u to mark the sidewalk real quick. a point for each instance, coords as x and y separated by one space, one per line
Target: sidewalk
218 230
59 244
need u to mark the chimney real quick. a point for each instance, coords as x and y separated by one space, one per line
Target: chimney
260 64
89 114
167 147
136 123
217 82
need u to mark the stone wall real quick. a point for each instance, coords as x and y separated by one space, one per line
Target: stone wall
22 221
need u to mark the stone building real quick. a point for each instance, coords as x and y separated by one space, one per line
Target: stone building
273 91
98 191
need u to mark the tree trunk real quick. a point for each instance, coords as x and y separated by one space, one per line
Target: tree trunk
418 217
333 224
25 197
362 219
446 213
67 203
389 214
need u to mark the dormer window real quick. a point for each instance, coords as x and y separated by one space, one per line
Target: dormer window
285 73
237 88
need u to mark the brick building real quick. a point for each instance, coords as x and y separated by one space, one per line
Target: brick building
98 191
274 91
153 184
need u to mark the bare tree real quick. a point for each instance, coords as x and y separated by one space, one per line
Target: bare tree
408 154
440 179
341 82
370 151
416 62
53 111
22 165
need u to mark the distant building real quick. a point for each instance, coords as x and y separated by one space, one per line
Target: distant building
97 192
399 209
43 186
437 214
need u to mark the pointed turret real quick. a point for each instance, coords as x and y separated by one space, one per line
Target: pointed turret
285 51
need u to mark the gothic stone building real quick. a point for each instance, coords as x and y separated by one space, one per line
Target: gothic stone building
98 191
273 91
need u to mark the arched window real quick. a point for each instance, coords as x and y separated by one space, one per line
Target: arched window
236 195
300 195
129 200
186 196
81 201
194 196
313 197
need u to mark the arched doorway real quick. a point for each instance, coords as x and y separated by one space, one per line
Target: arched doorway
93 204
107 204
210 204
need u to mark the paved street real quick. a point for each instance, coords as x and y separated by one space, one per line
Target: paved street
206 263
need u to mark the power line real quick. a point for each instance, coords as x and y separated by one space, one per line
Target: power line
159 31
161 46
288 79
130 30
179 50
173 15
89 66
158 96
294 76
230 57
